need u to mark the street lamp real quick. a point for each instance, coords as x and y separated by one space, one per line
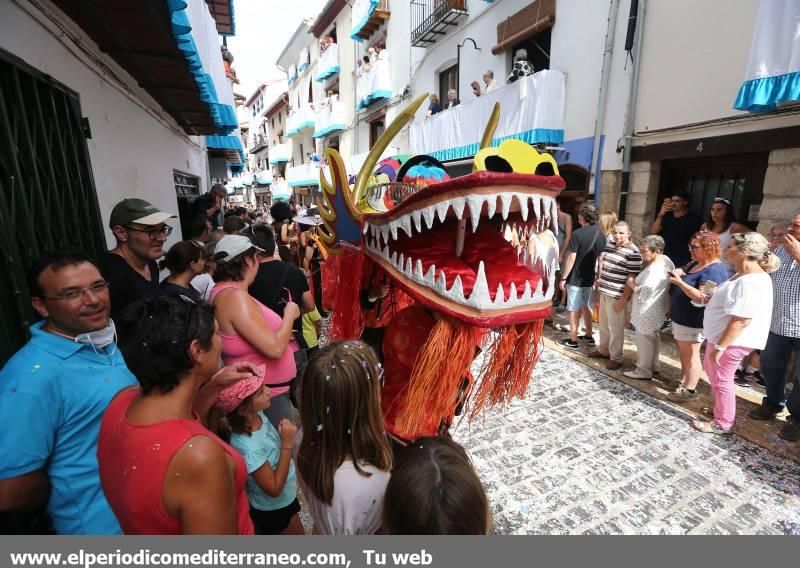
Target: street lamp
458 64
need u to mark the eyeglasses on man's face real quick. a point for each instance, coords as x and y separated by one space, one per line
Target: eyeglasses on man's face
154 234
76 294
694 247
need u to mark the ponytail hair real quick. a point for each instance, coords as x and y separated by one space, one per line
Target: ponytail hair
756 247
181 255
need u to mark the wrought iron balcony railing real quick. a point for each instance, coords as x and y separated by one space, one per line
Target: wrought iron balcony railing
430 19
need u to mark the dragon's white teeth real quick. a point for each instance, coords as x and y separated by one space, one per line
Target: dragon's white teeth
385 233
537 206
441 210
405 224
401 261
458 207
393 258
441 283
366 228
512 293
480 290
428 214
385 251
393 228
554 216
505 201
523 205
457 291
526 294
417 216
430 276
475 203
499 296
491 206
418 269
408 269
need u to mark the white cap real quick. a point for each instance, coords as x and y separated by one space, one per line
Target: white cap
232 246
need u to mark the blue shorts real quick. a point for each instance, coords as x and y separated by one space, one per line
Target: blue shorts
578 298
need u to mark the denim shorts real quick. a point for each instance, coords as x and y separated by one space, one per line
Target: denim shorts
578 298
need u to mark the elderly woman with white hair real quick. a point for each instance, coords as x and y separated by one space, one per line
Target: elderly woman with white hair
650 302
736 321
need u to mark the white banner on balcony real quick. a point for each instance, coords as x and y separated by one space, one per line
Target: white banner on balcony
362 10
306 174
278 153
531 109
330 117
328 63
281 191
374 83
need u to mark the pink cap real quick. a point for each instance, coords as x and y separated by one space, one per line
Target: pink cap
232 396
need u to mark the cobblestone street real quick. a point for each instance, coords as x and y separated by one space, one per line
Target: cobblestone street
587 454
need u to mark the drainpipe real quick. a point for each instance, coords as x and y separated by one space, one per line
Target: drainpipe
608 51
631 114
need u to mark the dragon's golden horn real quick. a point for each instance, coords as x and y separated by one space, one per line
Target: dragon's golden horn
491 126
360 187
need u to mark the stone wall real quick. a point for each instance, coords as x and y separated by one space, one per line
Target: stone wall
642 197
781 188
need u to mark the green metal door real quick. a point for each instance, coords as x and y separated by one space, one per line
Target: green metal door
47 194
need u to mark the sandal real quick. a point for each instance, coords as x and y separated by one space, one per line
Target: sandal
710 428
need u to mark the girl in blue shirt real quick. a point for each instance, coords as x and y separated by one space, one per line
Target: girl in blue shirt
271 483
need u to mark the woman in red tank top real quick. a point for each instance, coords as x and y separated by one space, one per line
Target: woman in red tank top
162 471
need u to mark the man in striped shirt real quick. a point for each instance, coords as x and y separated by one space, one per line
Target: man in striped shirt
784 336
619 265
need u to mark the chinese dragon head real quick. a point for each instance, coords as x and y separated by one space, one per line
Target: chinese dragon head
479 251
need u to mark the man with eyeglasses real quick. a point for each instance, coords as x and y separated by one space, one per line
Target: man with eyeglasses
784 336
676 225
130 268
53 393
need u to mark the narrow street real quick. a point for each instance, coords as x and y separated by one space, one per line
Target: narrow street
585 454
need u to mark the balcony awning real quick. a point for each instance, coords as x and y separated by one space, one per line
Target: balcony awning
263 177
231 147
773 72
171 48
281 191
279 153
531 110
328 64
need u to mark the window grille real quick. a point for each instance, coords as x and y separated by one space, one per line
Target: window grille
47 193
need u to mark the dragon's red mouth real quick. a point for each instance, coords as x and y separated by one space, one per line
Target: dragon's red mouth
417 243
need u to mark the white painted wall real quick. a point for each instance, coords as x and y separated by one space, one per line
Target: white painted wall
133 153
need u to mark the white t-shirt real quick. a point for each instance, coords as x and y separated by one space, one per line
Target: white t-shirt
357 501
203 283
748 296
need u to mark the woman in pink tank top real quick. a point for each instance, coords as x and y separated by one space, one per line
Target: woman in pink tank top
161 470
250 331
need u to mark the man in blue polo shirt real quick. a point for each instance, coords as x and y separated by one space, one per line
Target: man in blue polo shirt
53 393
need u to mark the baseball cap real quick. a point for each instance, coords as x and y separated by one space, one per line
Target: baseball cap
231 246
139 211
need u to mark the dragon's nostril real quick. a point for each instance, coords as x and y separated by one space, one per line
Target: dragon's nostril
545 169
498 164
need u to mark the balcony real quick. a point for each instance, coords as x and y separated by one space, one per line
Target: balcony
330 117
306 174
299 120
374 84
532 110
278 154
431 19
368 16
259 143
263 177
280 190
328 64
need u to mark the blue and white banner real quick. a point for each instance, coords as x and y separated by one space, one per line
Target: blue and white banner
773 72
531 109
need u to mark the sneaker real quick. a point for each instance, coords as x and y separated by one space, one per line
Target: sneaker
636 376
710 428
790 432
598 355
763 413
681 395
666 325
587 339
568 343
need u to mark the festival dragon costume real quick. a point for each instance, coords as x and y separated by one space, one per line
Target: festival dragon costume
476 257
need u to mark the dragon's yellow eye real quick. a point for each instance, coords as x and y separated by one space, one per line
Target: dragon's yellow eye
514 156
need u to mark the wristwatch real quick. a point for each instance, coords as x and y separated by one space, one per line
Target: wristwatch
719 348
